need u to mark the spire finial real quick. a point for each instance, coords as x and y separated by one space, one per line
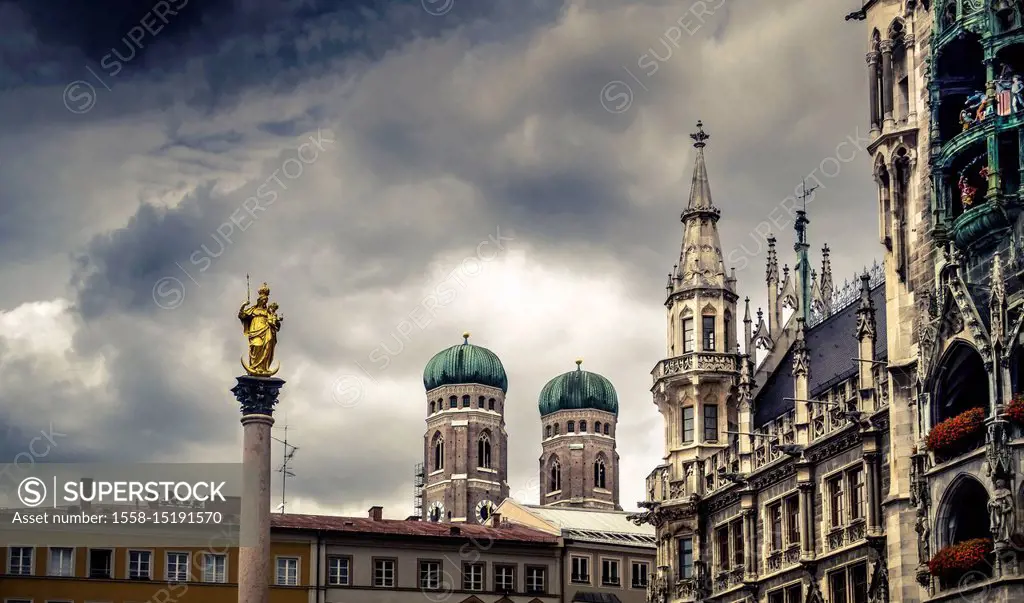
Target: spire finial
465 337
579 361
700 136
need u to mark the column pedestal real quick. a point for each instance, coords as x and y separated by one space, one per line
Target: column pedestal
257 396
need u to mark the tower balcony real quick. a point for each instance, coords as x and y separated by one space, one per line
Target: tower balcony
697 363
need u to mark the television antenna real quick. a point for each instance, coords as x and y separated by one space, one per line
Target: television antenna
285 468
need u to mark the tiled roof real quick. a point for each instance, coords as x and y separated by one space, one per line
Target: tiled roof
833 345
409 528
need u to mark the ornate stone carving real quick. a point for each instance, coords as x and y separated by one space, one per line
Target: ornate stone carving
923 534
878 585
866 310
814 592
257 395
998 456
801 355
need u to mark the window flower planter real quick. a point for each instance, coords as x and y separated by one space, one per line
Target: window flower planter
956 434
1014 411
958 559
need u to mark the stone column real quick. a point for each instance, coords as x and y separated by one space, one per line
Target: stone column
910 49
257 396
873 88
749 547
873 482
805 483
886 48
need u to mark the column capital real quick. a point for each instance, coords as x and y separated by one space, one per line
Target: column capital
257 395
871 57
908 40
885 46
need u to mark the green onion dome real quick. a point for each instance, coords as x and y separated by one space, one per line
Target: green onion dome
577 390
465 363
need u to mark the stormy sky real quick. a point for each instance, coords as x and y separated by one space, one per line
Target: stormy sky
531 156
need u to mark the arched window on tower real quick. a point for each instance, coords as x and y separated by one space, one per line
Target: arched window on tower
483 452
547 431
570 427
605 429
438 452
555 474
597 427
480 402
453 402
465 401
583 427
599 473
490 404
432 404
556 428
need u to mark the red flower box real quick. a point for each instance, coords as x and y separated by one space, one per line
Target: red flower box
960 558
950 435
1014 411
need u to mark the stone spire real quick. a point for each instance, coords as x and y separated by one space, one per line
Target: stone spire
866 309
772 278
748 330
700 257
827 287
803 264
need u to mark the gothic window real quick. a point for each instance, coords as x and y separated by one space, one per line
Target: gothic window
570 427
547 431
483 452
583 427
708 327
710 422
555 475
688 425
606 429
599 474
900 197
687 335
453 402
438 452
962 384
884 202
490 404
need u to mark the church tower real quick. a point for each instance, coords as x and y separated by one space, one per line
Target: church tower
579 466
465 447
693 385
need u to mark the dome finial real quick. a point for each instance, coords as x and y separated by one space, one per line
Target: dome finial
465 337
579 361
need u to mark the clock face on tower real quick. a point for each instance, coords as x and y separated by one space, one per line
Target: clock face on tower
484 510
436 512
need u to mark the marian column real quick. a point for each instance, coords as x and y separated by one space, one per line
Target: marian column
257 393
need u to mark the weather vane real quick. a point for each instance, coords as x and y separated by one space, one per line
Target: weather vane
260 323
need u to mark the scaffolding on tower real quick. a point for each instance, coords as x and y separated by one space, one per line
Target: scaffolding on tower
418 479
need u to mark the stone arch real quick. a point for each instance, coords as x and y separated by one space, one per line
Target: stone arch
601 471
554 473
962 511
437 451
484 450
957 380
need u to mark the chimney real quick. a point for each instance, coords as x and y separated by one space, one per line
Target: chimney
376 513
496 520
86 490
454 530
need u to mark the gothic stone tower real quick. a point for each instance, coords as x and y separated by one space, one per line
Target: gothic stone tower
693 386
465 447
579 466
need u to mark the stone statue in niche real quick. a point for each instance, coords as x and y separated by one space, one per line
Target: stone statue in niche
923 534
1000 510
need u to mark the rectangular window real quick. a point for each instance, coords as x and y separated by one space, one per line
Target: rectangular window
722 546
835 500
856 480
505 578
430 575
215 567
859 583
725 334
19 560
849 585
176 570
639 574
775 521
609 572
339 570
793 593
710 422
793 519
473 576
687 335
101 563
777 597
288 571
140 565
581 570
737 543
688 425
384 573
535 580
709 333
61 561
685 558
837 587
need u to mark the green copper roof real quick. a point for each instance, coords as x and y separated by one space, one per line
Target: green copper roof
578 389
465 363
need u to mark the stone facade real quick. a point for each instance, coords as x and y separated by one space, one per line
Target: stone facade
465 448
579 465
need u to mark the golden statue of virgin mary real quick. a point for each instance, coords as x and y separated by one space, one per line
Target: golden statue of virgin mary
260 323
